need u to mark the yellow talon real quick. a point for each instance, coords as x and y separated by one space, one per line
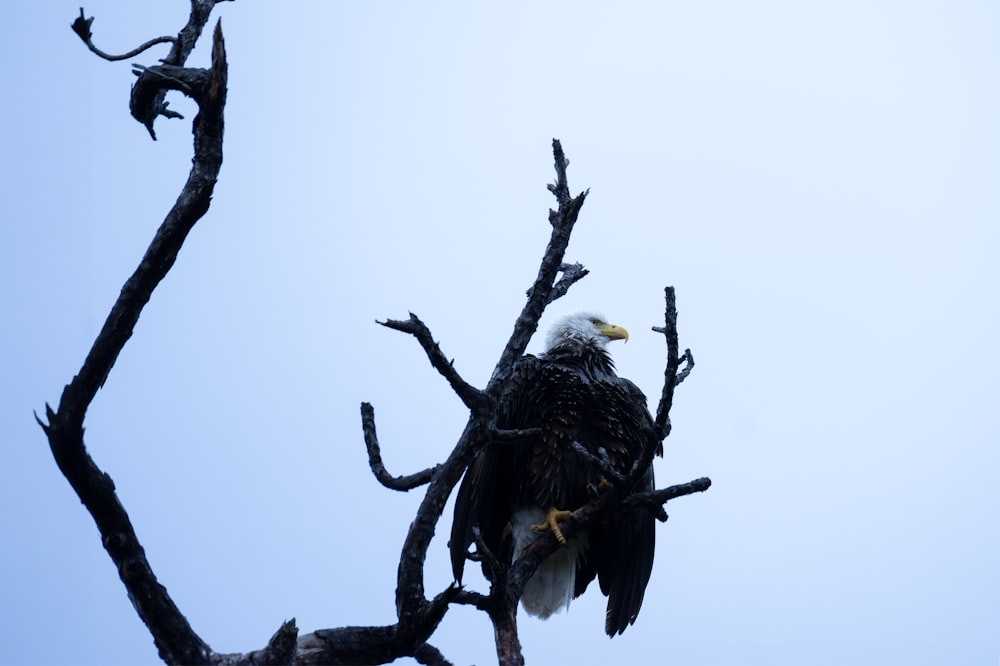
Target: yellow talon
551 523
594 491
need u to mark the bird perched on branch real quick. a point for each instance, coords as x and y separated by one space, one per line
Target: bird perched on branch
569 396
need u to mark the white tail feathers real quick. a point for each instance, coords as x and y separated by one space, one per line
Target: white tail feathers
550 588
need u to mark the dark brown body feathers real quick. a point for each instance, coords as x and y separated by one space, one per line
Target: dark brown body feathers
572 394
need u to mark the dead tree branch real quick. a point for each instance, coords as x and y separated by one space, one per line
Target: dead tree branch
669 331
174 637
688 360
410 590
81 26
471 396
149 91
417 616
657 498
546 543
508 579
563 219
402 483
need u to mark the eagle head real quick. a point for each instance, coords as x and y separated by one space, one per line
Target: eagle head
584 329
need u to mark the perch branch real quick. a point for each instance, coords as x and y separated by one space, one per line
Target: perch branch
410 599
657 498
402 483
579 520
473 398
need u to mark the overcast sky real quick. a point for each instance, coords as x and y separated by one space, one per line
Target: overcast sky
817 180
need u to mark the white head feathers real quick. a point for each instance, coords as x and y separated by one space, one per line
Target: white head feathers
584 328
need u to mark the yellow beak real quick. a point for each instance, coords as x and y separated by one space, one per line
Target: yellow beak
612 332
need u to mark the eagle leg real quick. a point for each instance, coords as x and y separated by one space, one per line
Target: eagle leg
552 516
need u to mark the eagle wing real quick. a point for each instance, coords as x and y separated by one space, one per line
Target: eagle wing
622 546
491 482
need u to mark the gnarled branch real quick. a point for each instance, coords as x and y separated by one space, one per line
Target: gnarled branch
174 637
81 26
148 100
473 398
563 219
687 358
669 331
410 588
657 498
579 520
417 616
402 483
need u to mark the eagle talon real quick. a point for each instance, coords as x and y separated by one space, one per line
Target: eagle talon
599 488
551 523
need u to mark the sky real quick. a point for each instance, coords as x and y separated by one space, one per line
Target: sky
817 180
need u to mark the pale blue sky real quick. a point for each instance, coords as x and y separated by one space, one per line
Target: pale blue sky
817 180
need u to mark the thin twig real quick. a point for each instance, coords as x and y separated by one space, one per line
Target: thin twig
81 26
486 556
473 398
402 483
602 462
687 358
572 273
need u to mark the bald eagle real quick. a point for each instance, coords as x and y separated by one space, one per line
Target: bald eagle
570 393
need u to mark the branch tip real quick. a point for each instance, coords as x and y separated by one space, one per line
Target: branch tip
400 483
82 27
472 397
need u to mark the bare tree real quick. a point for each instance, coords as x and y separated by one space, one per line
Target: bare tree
417 616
